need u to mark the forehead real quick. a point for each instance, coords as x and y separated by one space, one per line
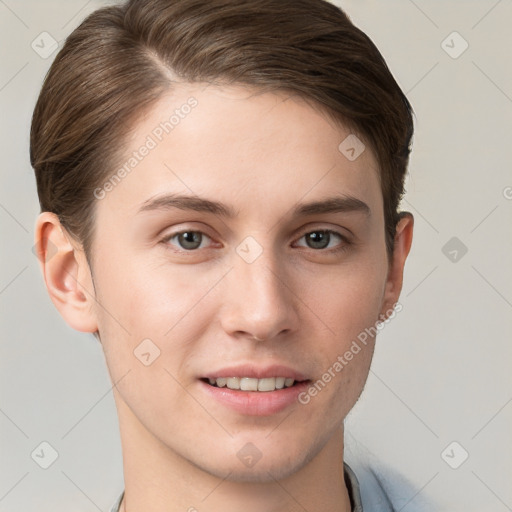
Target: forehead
247 148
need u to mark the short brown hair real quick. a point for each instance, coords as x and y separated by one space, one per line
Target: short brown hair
121 60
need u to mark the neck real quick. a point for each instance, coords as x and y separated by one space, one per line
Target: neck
157 479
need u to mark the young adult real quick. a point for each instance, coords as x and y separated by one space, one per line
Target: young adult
219 185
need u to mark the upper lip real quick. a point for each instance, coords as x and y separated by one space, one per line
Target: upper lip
257 372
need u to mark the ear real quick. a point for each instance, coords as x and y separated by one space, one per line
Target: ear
402 246
66 273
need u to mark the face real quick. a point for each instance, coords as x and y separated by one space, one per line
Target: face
241 245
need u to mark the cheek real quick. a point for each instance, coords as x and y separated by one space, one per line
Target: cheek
349 306
349 299
147 322
148 298
158 302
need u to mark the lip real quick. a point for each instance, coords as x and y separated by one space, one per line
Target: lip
255 372
255 403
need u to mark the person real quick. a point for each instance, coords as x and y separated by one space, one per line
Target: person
219 184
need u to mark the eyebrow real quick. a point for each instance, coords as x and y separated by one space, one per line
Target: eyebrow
336 204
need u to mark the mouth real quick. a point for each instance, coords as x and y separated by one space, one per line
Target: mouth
249 384
254 390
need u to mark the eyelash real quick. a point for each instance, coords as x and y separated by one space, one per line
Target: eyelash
340 248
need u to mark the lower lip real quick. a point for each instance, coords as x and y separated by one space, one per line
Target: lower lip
255 403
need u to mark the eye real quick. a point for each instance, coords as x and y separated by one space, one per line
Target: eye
322 238
188 240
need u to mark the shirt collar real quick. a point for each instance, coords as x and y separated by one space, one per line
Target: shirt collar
354 492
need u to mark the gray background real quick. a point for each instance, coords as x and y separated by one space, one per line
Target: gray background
441 372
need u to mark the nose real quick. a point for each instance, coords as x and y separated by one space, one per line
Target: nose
259 300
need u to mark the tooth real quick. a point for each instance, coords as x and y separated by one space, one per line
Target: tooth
280 382
252 384
248 384
267 384
221 382
233 383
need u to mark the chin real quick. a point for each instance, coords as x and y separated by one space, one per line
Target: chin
261 473
268 468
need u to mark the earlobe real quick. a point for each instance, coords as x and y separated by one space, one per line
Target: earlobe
66 273
402 246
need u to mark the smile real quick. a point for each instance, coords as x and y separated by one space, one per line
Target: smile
252 384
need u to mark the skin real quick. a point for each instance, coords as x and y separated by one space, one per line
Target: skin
208 308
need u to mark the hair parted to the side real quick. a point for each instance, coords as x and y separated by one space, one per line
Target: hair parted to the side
123 58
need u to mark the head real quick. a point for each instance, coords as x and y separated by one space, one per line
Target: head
293 129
